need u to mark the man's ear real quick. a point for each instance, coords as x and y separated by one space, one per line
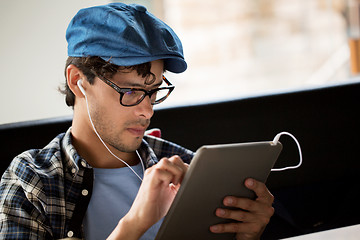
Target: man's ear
73 75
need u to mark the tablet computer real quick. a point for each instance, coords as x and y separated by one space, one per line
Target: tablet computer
215 172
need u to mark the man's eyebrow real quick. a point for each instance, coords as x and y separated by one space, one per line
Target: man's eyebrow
138 85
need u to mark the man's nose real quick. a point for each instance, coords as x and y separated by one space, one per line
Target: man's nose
145 108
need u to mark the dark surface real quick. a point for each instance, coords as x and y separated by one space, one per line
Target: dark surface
320 195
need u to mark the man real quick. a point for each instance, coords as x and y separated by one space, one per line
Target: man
91 181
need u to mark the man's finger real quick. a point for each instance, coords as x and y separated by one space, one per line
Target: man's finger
172 166
261 191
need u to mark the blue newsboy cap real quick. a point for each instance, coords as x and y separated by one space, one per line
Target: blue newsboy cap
124 35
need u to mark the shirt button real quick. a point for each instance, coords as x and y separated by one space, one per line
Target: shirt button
83 163
70 234
84 192
73 170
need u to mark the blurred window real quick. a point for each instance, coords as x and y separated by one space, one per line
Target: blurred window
240 48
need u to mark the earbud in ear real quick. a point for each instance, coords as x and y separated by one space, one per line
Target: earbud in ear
80 87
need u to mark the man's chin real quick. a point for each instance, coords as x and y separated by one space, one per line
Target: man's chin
131 147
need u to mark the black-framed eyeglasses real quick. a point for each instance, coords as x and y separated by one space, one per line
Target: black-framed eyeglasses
133 96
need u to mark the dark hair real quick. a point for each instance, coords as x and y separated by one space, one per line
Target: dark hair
96 66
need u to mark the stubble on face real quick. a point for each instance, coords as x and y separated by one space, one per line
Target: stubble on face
116 134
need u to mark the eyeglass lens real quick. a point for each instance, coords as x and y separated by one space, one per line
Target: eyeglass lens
134 97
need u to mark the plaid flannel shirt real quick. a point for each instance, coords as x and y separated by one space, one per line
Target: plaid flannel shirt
45 192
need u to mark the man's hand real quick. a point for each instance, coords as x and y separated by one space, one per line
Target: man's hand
156 193
252 215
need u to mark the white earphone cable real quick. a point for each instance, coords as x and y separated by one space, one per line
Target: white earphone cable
98 135
275 141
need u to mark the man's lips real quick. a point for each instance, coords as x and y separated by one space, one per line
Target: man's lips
138 131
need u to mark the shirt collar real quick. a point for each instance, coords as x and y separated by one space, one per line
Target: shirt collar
72 158
147 154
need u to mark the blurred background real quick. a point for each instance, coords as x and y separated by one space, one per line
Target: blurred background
234 49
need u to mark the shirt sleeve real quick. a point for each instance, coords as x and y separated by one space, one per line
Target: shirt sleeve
21 209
